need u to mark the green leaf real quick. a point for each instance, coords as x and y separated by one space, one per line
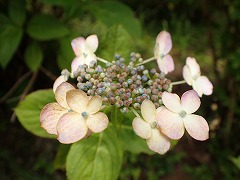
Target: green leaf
116 117
60 159
117 40
28 111
66 54
17 11
130 141
236 161
10 36
133 143
59 2
98 157
45 27
33 56
116 13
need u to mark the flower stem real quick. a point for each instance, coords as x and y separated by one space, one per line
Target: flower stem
178 82
102 60
135 112
146 61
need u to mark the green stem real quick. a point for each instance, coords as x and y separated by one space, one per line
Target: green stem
135 112
102 60
146 61
178 82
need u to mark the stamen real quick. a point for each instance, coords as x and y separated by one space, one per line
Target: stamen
153 125
182 113
84 114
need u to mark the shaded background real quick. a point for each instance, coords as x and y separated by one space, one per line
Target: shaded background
35 38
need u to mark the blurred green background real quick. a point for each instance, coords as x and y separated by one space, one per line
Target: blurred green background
35 38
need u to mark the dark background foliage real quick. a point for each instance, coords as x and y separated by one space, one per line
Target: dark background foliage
35 38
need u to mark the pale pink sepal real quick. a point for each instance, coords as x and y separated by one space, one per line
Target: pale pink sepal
78 45
94 104
206 87
164 42
170 124
196 126
187 75
77 61
97 122
77 100
59 81
166 64
141 128
158 142
190 101
148 111
71 128
50 116
171 101
60 93
92 43
193 66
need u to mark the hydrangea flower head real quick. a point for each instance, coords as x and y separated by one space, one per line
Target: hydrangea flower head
192 75
84 50
148 129
177 116
161 50
74 115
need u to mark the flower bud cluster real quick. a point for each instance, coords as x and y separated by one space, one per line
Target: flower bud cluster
125 85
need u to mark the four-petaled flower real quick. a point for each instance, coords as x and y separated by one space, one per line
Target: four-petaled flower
84 50
148 129
74 116
192 75
177 114
161 50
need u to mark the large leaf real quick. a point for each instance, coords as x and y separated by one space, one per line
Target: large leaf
116 13
45 27
117 40
131 142
10 36
66 54
116 118
98 157
17 11
28 111
33 56
60 159
59 2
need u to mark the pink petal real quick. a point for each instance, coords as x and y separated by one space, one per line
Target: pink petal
89 58
190 101
164 42
141 128
187 75
50 116
58 81
148 111
196 126
166 64
197 88
94 105
193 66
71 128
97 122
77 100
92 43
60 93
205 85
77 61
78 45
171 101
170 123
159 109
158 142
